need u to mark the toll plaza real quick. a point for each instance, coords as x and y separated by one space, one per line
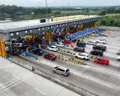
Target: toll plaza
31 32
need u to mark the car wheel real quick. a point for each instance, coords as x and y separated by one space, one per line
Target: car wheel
64 75
54 71
107 64
118 59
76 57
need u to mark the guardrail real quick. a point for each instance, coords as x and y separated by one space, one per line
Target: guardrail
110 28
55 79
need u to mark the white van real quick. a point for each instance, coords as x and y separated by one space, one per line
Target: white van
61 70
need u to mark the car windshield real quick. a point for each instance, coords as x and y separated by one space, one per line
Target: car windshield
67 70
81 54
102 39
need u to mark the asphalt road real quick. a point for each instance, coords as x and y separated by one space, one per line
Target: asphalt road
85 79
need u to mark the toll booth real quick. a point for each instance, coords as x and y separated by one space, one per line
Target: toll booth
2 48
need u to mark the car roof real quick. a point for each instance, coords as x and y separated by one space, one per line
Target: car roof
84 53
64 68
53 46
102 39
100 45
50 54
78 47
91 40
103 58
98 50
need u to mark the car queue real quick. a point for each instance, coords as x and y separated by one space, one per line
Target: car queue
97 51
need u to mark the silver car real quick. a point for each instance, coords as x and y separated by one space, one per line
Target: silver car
61 70
91 42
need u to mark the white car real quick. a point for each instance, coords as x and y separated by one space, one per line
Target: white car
82 56
118 58
91 42
53 48
103 41
61 70
59 44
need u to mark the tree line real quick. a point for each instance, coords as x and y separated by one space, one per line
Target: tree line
16 11
24 13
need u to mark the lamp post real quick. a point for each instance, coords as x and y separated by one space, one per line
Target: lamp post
46 5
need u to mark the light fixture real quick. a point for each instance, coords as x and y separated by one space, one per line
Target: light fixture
30 30
17 33
39 29
11 34
26 31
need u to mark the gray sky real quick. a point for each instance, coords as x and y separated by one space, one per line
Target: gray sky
38 3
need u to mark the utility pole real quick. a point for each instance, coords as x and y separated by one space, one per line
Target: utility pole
46 5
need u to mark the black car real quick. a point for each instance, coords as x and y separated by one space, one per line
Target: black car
97 52
118 53
37 52
99 47
79 49
15 52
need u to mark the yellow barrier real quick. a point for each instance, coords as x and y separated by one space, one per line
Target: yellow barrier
28 37
60 57
2 48
93 57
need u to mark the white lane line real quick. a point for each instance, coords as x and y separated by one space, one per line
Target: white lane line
18 81
110 85
41 92
108 71
1 85
14 79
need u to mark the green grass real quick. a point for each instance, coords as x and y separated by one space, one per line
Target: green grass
114 14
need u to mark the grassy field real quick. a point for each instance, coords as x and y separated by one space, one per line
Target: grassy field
112 15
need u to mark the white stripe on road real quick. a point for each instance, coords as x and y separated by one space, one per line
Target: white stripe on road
16 82
41 92
110 85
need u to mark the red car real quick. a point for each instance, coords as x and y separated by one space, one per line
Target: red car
103 61
50 56
67 42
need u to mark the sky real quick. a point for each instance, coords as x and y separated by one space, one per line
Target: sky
41 3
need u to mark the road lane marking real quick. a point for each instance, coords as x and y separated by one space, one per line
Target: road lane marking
110 85
16 82
41 92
